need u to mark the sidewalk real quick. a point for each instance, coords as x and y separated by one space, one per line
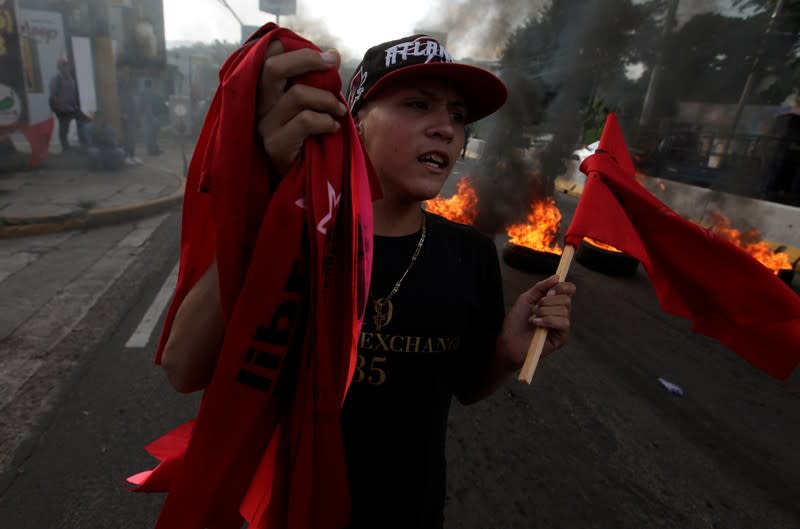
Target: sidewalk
63 194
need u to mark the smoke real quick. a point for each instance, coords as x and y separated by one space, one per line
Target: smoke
312 28
688 10
509 180
567 65
478 29
506 180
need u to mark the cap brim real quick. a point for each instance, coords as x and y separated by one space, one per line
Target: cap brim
483 92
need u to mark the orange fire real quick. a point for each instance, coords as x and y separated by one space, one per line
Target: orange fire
461 207
751 242
541 231
602 245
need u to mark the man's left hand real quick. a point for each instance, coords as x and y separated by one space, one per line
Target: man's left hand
547 304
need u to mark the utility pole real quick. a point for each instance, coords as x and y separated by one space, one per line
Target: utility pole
229 8
655 75
748 85
278 8
104 64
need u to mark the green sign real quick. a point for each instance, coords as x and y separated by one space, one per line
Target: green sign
12 85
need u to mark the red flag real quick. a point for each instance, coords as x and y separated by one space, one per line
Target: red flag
294 263
38 136
727 294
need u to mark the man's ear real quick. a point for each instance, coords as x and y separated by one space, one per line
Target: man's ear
359 121
359 127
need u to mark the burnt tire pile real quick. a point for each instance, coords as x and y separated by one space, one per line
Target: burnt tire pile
605 261
592 257
786 275
529 260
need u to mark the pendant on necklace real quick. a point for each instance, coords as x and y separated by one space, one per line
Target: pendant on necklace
383 313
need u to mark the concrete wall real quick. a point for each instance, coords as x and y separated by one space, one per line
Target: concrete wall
778 224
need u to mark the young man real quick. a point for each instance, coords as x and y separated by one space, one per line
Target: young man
435 324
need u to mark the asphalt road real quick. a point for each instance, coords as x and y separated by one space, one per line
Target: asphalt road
595 442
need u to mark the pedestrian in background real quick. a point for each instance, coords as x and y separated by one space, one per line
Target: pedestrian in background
64 102
104 150
129 113
153 110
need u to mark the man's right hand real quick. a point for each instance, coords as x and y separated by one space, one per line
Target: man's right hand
285 118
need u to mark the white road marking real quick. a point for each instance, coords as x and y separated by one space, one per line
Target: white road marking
42 329
142 334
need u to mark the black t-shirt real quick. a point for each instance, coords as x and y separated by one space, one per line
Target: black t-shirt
446 316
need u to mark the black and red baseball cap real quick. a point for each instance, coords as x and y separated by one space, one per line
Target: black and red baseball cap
423 55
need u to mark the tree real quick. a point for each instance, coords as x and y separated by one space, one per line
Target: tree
575 54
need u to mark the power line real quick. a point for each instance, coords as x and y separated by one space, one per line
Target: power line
223 2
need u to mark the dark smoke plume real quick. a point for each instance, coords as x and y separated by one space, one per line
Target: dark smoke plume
478 29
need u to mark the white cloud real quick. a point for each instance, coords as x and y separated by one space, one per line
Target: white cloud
355 24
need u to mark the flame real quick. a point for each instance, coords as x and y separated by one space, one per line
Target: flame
541 231
751 242
461 207
601 245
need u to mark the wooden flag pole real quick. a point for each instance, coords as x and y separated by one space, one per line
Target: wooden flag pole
539 337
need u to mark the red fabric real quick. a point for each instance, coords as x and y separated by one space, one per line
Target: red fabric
726 293
38 136
294 264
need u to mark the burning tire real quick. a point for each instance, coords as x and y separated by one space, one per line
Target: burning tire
529 260
786 275
605 261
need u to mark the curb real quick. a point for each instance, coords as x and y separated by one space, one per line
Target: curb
92 218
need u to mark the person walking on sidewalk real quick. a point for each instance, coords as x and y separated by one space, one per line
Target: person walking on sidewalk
153 109
64 102
129 110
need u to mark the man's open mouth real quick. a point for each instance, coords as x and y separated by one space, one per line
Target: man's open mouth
435 159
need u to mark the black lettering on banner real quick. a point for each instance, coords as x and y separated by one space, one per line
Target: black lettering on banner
248 378
296 278
278 333
263 359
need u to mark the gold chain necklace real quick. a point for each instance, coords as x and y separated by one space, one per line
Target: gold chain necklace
384 310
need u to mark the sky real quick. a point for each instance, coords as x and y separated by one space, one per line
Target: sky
354 24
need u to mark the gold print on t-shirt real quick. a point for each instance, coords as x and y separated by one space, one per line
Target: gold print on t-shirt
396 343
373 374
373 369
383 312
